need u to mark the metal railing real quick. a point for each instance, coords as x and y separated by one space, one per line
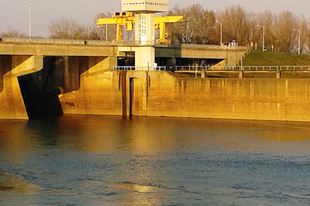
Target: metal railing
124 68
242 68
294 68
214 47
207 68
145 68
259 68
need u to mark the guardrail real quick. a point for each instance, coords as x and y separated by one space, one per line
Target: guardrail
295 68
131 68
207 68
214 47
242 68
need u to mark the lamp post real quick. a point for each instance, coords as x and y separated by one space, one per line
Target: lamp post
106 26
298 39
221 34
29 20
263 36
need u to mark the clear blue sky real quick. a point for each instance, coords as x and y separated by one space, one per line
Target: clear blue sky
14 15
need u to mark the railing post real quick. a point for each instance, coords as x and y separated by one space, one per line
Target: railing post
278 74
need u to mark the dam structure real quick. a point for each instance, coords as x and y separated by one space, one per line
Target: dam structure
43 77
40 77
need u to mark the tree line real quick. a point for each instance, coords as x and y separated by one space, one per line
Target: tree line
282 31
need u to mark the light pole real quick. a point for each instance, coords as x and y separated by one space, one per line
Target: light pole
263 36
106 26
298 39
29 20
221 34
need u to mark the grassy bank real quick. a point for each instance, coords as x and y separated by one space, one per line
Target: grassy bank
259 58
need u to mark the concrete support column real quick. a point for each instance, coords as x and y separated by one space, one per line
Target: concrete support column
241 74
278 74
203 74
66 75
11 101
145 58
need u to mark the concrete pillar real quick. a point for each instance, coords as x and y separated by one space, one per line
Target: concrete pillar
67 87
240 74
278 74
11 101
203 74
145 58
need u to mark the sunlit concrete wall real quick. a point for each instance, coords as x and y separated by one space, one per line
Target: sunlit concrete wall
11 101
100 93
28 83
262 99
162 94
55 48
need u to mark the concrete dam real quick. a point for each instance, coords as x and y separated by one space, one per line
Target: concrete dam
41 79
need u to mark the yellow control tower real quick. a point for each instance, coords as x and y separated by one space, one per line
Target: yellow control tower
144 11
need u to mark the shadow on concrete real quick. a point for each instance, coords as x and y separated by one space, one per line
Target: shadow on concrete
39 104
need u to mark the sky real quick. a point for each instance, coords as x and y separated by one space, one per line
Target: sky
13 14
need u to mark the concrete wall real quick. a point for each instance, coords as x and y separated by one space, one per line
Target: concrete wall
11 101
99 93
29 85
162 94
28 48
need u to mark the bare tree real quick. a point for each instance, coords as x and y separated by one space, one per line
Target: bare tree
99 33
199 26
285 23
235 24
267 20
12 33
304 31
67 29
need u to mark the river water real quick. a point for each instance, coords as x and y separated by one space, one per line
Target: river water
111 160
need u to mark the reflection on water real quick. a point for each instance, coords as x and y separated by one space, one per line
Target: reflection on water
14 184
104 160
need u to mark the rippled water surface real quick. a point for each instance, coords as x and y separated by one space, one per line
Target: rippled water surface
104 160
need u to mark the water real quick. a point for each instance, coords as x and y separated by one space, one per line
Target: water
103 160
